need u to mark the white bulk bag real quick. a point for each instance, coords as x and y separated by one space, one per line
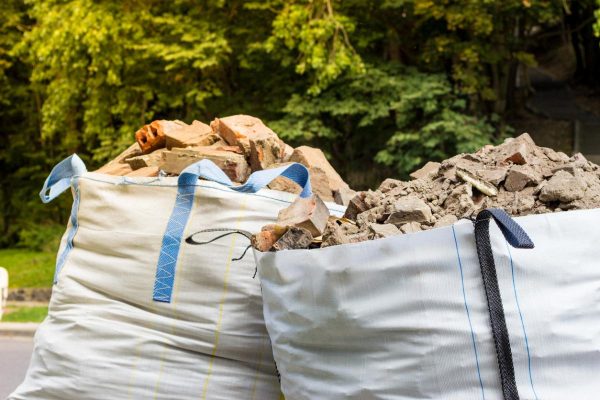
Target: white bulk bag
407 317
137 313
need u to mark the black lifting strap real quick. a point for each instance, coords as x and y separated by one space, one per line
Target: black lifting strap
516 237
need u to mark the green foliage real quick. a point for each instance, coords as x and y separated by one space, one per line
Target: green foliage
412 116
314 38
597 24
28 269
25 314
41 237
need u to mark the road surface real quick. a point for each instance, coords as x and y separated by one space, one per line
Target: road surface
14 359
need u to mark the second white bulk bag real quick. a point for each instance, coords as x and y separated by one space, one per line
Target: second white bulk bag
444 314
138 313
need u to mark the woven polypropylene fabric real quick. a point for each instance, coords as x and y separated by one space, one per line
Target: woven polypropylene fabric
406 317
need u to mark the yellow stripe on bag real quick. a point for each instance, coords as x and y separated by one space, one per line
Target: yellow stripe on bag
222 302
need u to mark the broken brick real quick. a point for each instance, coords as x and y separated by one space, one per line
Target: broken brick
151 137
284 184
311 157
234 165
266 238
237 130
146 160
118 169
266 149
309 213
184 135
320 184
518 177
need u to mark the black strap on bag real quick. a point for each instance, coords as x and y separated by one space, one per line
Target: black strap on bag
516 237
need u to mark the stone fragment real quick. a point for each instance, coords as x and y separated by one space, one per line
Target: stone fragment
295 238
494 176
409 209
411 227
562 187
361 236
309 213
184 135
334 234
343 196
390 184
384 230
428 171
446 220
234 165
371 215
311 157
460 201
520 176
555 156
481 185
356 206
152 170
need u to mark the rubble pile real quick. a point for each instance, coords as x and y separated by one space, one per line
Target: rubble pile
517 176
239 145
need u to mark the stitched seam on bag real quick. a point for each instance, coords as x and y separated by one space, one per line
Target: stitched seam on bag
62 259
340 209
222 303
462 280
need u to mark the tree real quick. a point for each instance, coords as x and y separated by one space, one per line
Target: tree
385 84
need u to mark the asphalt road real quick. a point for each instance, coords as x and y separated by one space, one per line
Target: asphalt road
14 359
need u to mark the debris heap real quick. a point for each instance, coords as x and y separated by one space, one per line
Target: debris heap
239 145
517 176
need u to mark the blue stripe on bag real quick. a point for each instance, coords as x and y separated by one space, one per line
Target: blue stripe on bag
169 252
62 176
464 294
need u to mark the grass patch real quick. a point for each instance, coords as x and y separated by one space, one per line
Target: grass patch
27 268
25 314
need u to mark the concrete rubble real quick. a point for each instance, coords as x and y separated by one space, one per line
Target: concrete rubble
238 144
517 176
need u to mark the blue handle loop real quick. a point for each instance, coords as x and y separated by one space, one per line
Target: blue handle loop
208 170
169 251
59 179
513 233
